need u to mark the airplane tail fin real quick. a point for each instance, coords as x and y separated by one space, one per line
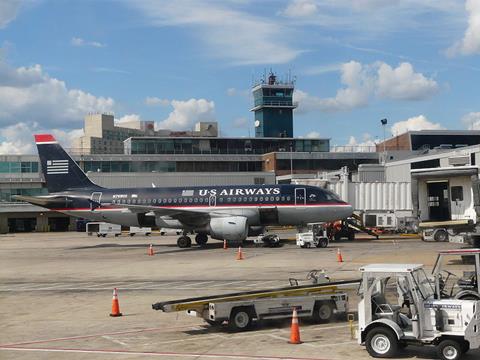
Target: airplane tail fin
60 171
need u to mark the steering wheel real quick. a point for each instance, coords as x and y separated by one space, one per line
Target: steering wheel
313 274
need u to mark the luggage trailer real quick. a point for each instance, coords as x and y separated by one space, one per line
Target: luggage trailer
317 301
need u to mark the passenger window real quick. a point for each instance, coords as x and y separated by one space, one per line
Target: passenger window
229 199
261 198
154 201
134 201
180 200
457 193
255 198
277 198
250 199
220 200
190 200
272 198
245 199
195 200
169 201
175 200
283 198
234 199
288 198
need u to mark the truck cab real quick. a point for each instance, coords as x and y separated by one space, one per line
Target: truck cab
398 307
456 274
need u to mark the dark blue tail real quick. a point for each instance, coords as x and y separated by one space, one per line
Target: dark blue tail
60 171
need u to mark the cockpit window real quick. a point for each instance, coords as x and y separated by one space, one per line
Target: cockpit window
331 196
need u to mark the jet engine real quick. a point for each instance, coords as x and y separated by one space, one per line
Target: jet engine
234 228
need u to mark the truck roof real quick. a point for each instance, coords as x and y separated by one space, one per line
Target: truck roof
391 267
459 251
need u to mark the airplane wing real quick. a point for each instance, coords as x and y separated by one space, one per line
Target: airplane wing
188 217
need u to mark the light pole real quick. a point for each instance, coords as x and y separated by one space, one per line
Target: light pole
291 162
384 125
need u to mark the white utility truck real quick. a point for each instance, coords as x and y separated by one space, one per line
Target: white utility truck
398 307
135 230
103 229
319 300
316 236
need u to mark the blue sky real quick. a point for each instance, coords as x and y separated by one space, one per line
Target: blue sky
416 63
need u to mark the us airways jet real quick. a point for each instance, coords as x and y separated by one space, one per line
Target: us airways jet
223 212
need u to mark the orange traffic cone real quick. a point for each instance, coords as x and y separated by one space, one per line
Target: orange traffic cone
150 250
339 256
225 245
115 305
240 254
295 329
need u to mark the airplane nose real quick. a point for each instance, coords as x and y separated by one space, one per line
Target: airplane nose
348 211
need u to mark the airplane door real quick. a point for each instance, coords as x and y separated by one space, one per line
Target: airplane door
300 196
212 201
96 198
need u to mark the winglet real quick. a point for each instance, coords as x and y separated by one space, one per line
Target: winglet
44 138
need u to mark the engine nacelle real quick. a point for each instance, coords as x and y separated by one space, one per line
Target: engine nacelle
234 228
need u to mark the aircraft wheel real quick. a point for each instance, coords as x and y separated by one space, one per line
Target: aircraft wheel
184 242
201 239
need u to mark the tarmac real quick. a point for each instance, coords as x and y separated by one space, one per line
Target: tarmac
56 293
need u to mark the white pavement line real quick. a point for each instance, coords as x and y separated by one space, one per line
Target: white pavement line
263 283
196 284
162 285
229 283
331 344
160 354
114 340
137 285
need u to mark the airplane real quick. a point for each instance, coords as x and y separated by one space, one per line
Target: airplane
228 213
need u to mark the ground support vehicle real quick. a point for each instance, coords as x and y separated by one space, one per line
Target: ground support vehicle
103 229
269 240
242 309
460 281
315 237
398 308
134 230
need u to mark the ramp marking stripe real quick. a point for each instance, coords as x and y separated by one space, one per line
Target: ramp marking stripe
154 353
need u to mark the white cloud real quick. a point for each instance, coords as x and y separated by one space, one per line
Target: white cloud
472 121
403 83
127 118
313 135
188 112
8 11
155 101
240 122
367 144
225 30
81 42
30 94
300 8
364 81
470 44
237 92
18 138
415 123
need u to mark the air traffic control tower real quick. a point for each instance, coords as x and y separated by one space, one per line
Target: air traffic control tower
273 107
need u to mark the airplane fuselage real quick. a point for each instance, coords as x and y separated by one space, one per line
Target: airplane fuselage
261 204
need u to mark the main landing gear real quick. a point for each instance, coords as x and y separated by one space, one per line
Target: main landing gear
184 241
201 239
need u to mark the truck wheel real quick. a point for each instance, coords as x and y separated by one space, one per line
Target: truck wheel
440 235
323 311
240 319
449 350
322 243
381 342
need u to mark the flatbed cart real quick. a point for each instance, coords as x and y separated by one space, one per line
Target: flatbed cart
319 301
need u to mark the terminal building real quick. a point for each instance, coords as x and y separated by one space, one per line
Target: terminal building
135 154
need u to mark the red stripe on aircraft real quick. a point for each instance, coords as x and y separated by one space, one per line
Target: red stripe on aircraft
39 138
119 206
